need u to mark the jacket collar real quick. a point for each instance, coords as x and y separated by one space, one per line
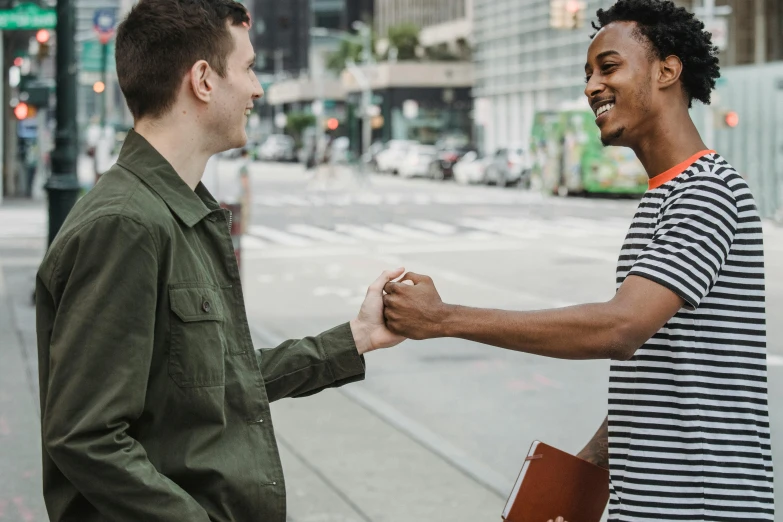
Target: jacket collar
142 159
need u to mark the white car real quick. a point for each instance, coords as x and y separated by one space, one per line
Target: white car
509 165
391 158
278 147
472 168
417 162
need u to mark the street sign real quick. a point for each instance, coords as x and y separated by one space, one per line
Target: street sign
90 57
28 16
719 28
104 21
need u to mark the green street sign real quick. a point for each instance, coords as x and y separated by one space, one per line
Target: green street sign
90 56
28 16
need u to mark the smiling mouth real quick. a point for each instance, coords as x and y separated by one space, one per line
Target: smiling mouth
603 109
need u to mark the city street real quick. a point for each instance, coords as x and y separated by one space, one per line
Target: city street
439 429
314 246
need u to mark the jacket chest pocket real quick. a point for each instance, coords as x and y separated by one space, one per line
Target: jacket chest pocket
198 343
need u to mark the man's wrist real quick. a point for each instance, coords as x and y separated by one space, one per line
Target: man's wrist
361 336
449 325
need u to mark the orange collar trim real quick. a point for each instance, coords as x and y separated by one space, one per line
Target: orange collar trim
675 171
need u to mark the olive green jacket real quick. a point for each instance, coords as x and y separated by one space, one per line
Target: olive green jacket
154 403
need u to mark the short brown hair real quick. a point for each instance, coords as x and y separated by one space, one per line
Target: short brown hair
159 42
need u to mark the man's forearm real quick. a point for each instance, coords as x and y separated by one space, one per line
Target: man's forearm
591 331
597 450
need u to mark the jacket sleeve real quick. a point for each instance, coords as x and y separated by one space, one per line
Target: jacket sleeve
104 285
302 367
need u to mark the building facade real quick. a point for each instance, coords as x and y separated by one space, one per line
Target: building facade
340 14
524 66
421 13
281 35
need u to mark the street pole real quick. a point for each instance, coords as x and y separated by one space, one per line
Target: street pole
368 61
104 66
63 184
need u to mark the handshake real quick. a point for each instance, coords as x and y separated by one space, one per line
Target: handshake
399 307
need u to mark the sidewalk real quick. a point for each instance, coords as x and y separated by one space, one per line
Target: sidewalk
20 452
342 461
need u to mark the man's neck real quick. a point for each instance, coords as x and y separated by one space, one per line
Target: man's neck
668 144
180 146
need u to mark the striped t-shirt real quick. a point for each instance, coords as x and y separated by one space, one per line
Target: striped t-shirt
689 434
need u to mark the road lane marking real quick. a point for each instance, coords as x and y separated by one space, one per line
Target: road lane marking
278 236
435 227
367 233
407 233
321 234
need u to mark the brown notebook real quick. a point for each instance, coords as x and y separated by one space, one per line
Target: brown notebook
554 484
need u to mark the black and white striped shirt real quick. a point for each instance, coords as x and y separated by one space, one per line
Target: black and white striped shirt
689 434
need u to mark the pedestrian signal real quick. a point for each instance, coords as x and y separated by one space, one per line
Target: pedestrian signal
732 119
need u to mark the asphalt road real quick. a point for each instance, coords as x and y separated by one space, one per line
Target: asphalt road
315 243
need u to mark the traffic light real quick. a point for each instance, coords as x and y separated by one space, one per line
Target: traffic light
332 124
44 39
21 111
98 87
731 119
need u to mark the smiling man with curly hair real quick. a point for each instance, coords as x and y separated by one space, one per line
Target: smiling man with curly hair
687 436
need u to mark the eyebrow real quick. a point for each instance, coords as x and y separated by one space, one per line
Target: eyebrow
603 55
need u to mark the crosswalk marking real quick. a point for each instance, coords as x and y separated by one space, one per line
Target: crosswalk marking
367 233
408 233
278 236
434 226
321 234
394 199
495 227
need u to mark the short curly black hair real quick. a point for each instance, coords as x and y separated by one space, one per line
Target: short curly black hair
671 30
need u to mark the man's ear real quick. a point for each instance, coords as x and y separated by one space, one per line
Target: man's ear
669 72
201 76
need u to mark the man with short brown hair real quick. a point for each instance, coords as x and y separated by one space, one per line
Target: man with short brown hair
154 403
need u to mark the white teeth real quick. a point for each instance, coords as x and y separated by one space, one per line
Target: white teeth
247 112
604 108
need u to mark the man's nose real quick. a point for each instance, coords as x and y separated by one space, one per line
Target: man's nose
592 90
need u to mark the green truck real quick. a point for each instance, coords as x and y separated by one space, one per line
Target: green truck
568 157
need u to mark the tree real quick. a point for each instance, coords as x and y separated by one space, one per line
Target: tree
405 38
349 50
297 123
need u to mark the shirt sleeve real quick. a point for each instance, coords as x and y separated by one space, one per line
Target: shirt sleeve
692 240
302 367
104 287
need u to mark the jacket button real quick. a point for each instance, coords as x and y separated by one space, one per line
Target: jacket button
206 306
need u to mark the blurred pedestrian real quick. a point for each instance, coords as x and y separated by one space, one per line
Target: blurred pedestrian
687 436
154 401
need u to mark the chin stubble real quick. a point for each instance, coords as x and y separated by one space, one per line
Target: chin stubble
609 140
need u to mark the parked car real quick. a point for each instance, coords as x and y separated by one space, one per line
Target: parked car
390 159
278 147
472 168
509 165
417 162
442 167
